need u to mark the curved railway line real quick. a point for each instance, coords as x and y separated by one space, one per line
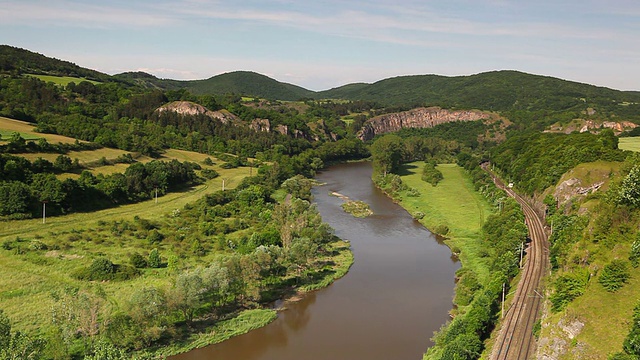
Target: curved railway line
516 340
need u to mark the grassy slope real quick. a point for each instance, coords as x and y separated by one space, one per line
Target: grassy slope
62 80
9 126
453 203
629 143
606 316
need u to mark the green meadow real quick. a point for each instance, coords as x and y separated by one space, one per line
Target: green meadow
61 80
453 203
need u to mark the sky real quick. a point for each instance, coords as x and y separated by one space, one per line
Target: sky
322 44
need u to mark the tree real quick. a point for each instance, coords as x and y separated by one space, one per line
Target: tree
15 198
630 188
154 259
387 153
47 188
63 163
187 294
430 174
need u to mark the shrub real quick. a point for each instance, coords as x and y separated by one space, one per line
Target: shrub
430 174
138 261
614 275
568 287
102 269
154 259
209 174
155 236
441 229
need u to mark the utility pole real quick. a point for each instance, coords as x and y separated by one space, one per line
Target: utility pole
44 211
156 195
521 253
222 184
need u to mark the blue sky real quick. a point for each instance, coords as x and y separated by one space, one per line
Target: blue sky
322 44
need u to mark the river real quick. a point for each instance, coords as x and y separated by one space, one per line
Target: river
396 294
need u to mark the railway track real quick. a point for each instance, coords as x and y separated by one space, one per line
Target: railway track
516 340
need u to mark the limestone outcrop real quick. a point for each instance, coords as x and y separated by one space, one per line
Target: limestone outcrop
416 118
190 108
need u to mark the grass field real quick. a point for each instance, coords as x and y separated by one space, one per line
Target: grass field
62 80
454 203
10 126
629 143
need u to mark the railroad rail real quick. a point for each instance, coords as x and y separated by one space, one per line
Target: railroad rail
516 340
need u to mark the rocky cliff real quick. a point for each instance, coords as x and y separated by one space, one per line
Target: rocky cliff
190 108
416 118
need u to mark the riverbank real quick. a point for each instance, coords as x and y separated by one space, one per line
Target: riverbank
453 205
339 259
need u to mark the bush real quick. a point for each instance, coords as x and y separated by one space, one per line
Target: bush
208 161
102 269
155 236
209 174
138 261
154 259
430 174
441 229
568 287
614 275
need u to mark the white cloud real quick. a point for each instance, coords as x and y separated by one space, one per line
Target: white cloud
76 14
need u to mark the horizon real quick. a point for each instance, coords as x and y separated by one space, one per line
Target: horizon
328 44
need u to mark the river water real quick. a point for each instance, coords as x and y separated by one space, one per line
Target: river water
396 294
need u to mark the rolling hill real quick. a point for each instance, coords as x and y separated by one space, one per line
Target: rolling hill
503 91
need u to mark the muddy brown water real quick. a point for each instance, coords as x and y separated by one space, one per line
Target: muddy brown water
396 294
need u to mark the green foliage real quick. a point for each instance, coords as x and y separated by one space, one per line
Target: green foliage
387 153
631 344
102 269
441 229
568 287
629 192
299 186
138 261
17 345
614 275
535 161
154 259
209 174
430 174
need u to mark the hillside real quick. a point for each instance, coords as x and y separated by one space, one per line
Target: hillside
525 98
496 90
25 61
248 83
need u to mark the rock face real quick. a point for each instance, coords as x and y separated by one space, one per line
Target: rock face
259 124
592 126
416 118
190 108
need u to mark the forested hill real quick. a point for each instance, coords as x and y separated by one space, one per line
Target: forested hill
524 98
496 90
13 59
249 83
237 82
